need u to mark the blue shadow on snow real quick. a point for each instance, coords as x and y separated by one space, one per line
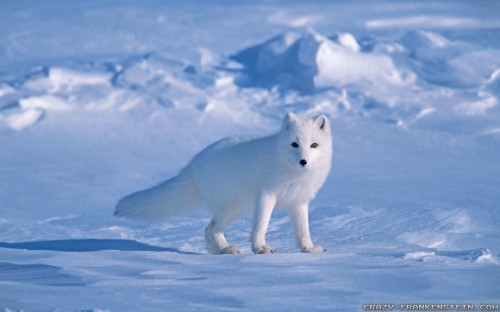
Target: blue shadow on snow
89 245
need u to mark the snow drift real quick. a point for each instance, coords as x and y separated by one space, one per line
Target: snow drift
310 62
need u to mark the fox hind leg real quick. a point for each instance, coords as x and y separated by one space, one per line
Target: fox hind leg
216 242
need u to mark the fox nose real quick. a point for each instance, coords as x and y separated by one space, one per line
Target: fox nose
303 162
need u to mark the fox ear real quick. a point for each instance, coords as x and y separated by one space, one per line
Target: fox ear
322 122
289 120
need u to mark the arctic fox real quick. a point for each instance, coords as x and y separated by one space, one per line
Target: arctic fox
237 175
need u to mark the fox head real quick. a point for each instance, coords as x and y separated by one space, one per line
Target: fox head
307 142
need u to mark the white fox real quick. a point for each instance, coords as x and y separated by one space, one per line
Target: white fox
236 175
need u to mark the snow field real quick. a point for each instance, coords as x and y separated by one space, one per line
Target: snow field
409 213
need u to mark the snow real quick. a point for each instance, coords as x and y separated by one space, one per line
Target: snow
101 100
421 20
310 62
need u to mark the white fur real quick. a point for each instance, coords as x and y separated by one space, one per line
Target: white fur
237 175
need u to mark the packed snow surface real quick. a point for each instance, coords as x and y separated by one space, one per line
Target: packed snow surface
98 100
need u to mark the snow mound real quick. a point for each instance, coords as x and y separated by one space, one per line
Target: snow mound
308 61
480 255
22 120
27 98
147 84
439 61
404 82
408 81
418 39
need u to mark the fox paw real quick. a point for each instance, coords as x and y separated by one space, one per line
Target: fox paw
313 249
232 250
263 249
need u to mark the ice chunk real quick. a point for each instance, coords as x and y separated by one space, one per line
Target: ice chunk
24 119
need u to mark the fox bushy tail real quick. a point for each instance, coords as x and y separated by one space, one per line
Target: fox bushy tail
169 198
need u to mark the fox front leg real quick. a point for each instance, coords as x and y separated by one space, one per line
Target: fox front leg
262 215
300 218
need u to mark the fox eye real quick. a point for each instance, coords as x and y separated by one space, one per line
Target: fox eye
314 145
295 145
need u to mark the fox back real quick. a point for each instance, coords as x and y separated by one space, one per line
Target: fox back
293 164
